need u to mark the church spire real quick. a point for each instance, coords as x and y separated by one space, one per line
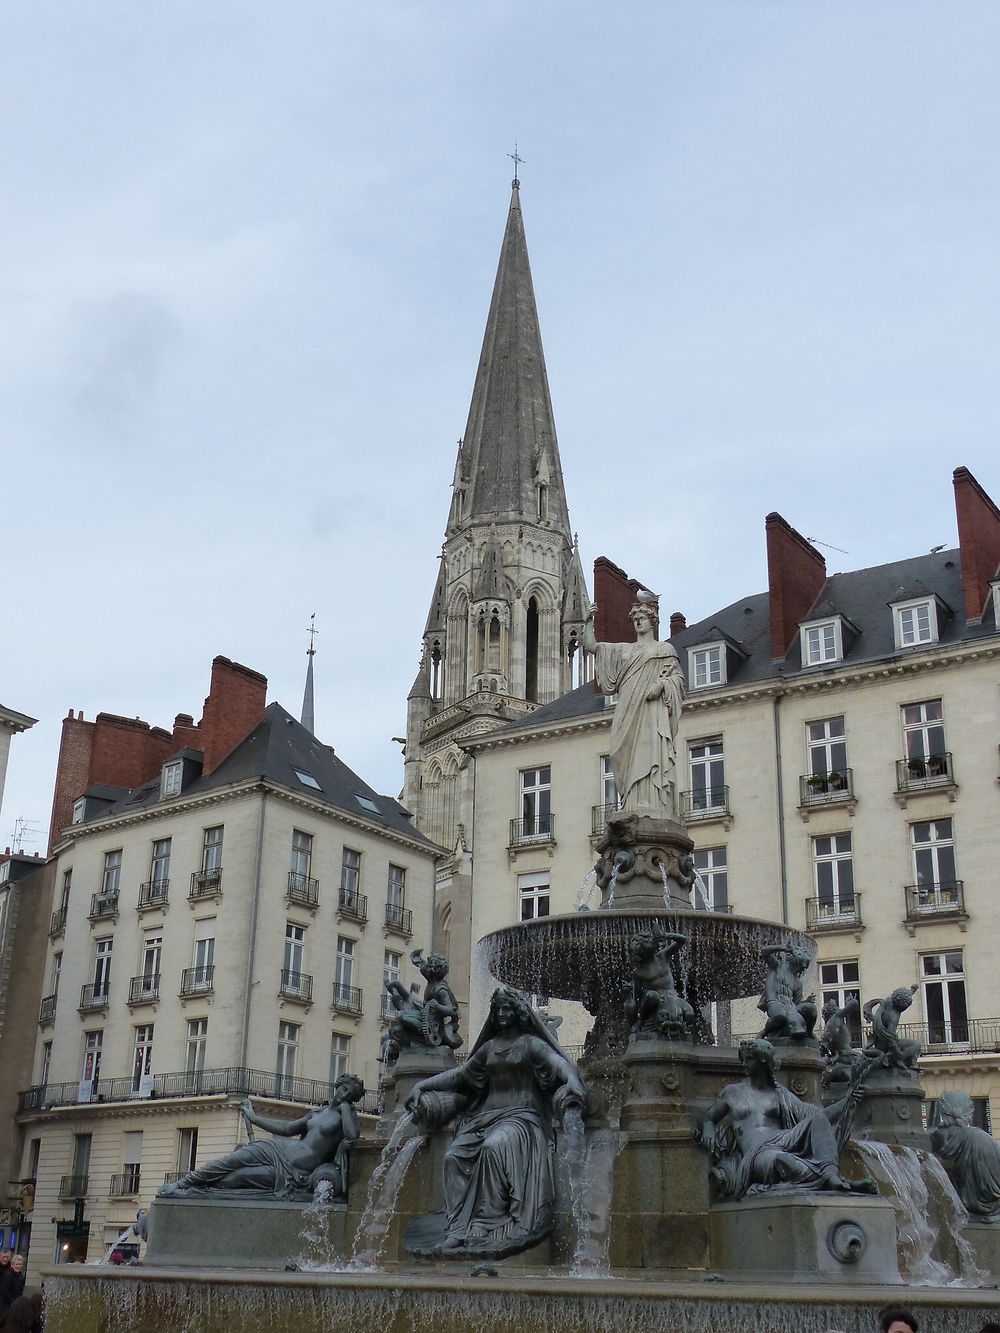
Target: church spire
509 462
308 701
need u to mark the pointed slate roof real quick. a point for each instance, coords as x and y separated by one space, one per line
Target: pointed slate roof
308 696
510 438
576 602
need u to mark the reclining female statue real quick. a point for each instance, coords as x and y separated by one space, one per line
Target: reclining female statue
499 1185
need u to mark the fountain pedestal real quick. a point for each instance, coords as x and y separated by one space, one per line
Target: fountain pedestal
240 1232
892 1110
841 1238
645 860
984 1241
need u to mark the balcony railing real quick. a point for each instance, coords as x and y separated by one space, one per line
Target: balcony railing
399 919
709 803
47 1009
73 1187
124 1183
93 997
923 772
143 990
347 999
353 905
296 986
302 889
236 1081
171 1177
833 913
198 980
58 922
205 884
599 816
975 1035
152 894
539 828
826 788
926 902
387 1009
103 906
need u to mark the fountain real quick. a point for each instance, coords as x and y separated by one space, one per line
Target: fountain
671 1182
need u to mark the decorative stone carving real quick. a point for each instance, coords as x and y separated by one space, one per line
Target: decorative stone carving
764 1138
425 1022
887 1049
499 1184
647 677
970 1155
791 1016
306 1152
653 1007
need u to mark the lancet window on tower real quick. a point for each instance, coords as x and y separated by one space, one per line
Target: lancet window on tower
494 643
437 670
543 500
531 652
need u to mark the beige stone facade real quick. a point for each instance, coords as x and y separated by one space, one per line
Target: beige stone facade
252 960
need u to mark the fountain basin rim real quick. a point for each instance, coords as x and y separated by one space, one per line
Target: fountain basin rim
647 914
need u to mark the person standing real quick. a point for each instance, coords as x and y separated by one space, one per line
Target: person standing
11 1282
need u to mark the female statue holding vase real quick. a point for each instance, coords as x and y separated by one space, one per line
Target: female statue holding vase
499 1185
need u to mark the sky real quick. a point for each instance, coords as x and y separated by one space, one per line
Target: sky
247 258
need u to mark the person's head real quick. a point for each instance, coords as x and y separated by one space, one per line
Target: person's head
509 1008
897 1319
644 618
643 947
902 998
348 1088
432 968
17 1263
4 1258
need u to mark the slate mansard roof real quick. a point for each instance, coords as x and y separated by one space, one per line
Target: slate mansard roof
278 749
862 596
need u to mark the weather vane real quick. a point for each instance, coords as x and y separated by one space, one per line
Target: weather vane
312 631
517 160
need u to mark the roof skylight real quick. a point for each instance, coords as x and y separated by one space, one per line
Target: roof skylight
307 779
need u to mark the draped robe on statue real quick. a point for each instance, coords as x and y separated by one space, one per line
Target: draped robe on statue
643 752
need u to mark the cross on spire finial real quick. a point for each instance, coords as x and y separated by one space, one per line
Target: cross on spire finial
312 631
516 158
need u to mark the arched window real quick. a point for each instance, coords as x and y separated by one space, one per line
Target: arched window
531 652
437 670
480 661
575 656
543 500
494 645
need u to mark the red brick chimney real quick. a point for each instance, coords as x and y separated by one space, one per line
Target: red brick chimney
978 541
234 706
796 573
678 621
615 594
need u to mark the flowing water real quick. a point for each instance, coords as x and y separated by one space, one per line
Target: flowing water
317 1250
927 1207
586 891
591 1257
699 884
611 887
383 1191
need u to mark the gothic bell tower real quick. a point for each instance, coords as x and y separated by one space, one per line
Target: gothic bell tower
505 627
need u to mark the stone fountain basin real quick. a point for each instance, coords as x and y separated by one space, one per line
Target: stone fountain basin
584 956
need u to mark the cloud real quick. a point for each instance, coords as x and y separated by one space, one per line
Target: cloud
121 346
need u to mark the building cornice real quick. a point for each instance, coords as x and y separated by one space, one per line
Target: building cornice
564 727
11 720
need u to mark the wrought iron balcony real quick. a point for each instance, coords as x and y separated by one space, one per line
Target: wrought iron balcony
975 1035
103 906
347 999
932 902
387 1008
143 990
599 816
707 803
399 919
302 889
205 884
827 788
296 986
539 828
924 773
93 998
152 894
124 1183
73 1187
58 922
352 905
833 913
47 1009
198 980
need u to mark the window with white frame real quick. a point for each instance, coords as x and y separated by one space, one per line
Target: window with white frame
344 974
93 1043
609 787
301 867
203 974
197 1040
43 1076
821 642
171 783
391 964
827 747
536 802
533 896
932 842
56 973
833 871
111 881
942 983
340 1056
923 741
159 865
295 937
713 875
706 666
839 982
66 885
187 1150
395 893
142 1054
708 774
350 877
131 1160
79 809
152 948
288 1049
102 968
915 622
211 850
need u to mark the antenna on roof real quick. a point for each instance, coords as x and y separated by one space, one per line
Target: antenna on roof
816 542
308 703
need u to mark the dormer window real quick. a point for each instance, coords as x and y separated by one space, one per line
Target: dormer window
706 666
996 602
821 641
79 810
171 781
916 622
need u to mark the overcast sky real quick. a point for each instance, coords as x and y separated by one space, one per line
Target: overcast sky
247 255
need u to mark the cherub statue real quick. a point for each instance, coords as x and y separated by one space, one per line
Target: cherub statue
886 1047
836 1043
426 1021
652 1004
790 1016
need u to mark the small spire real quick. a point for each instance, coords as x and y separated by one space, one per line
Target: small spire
308 702
517 160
